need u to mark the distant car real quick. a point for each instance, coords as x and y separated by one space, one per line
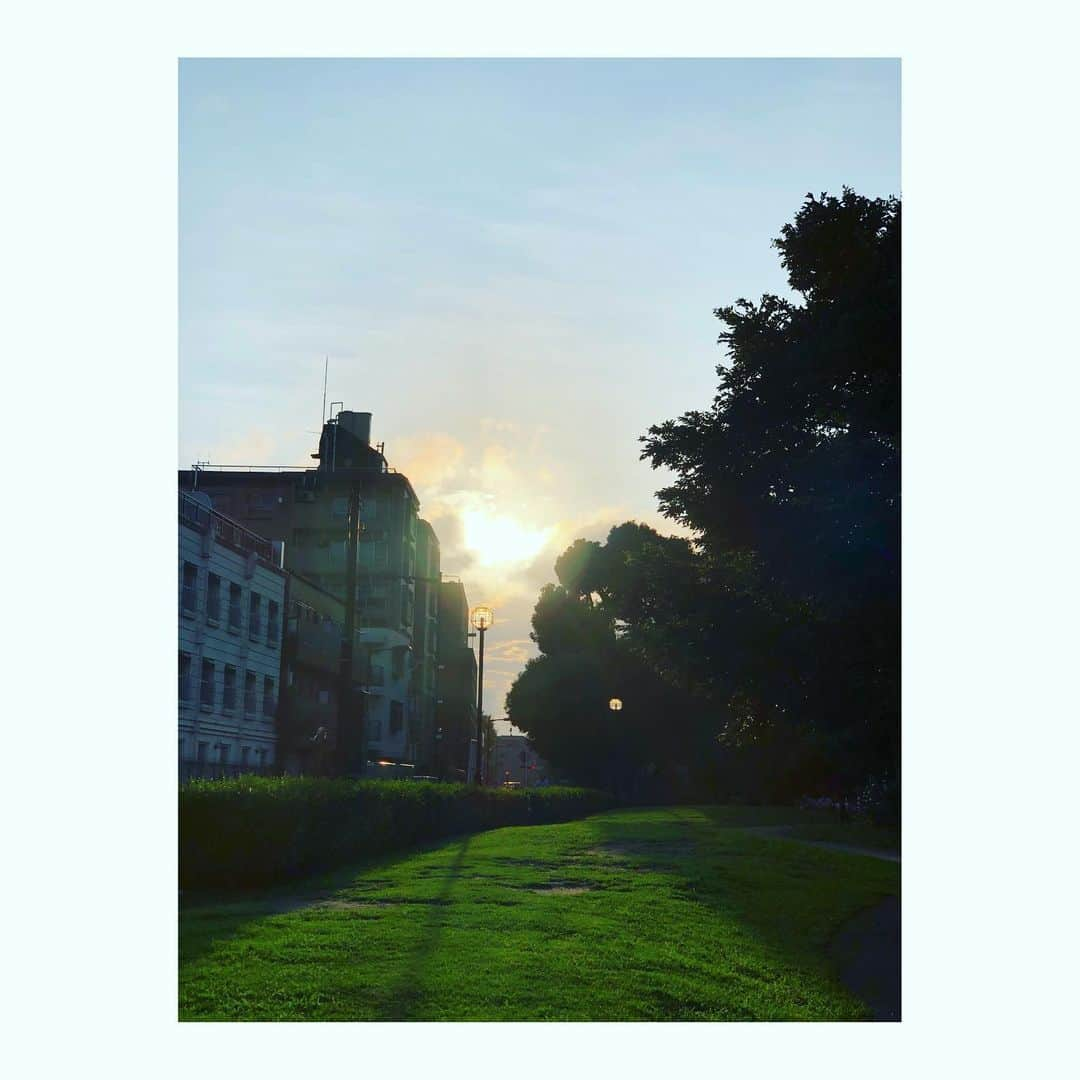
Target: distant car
511 784
434 779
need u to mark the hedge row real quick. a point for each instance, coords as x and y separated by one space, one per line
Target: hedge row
255 830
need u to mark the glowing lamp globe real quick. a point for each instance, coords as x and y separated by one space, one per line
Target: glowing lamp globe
483 618
615 704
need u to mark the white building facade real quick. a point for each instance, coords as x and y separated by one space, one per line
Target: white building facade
232 602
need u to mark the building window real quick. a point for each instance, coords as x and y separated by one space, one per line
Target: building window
200 753
235 614
255 616
324 697
397 717
185 676
272 623
262 758
188 602
223 753
376 729
269 703
373 554
228 701
206 697
249 693
213 597
245 756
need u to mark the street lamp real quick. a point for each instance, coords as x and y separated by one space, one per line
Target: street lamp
482 618
615 704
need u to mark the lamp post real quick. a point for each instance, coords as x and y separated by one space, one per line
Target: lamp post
615 704
482 617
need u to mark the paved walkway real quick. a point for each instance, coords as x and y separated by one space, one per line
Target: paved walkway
784 831
866 951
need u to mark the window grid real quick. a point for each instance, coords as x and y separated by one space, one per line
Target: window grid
229 697
188 601
206 695
249 694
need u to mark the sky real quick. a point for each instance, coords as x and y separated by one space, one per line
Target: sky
512 264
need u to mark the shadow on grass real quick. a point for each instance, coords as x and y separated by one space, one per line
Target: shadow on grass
407 992
209 918
788 898
791 897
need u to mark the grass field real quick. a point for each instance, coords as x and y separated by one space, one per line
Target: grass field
660 914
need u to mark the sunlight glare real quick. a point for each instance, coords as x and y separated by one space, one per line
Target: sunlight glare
498 540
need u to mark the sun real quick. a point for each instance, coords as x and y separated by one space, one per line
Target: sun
497 540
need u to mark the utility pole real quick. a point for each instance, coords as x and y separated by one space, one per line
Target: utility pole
351 746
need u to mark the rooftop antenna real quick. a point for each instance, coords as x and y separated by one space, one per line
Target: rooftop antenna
326 371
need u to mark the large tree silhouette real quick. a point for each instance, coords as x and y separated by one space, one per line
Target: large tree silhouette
764 651
791 481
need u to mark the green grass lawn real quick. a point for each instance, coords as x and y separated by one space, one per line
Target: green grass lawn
662 914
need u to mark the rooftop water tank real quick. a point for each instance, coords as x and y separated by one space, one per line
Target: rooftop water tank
357 424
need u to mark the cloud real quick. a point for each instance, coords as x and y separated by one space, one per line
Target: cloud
256 446
429 461
515 651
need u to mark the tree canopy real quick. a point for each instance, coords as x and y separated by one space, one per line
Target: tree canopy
771 636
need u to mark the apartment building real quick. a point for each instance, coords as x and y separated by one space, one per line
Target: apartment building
307 511
455 711
425 649
308 713
232 598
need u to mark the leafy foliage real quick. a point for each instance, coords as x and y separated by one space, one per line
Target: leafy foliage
792 483
774 632
259 829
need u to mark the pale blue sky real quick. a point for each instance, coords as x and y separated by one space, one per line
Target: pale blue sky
512 264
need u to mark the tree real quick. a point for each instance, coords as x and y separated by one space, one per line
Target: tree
791 483
561 698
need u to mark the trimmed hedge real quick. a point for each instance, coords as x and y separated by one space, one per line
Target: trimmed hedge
255 830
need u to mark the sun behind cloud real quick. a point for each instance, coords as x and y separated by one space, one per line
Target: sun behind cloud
499 540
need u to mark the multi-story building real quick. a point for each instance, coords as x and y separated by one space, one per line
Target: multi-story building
307 510
425 648
455 715
311 667
232 595
517 762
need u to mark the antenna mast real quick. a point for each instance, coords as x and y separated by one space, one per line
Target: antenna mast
326 370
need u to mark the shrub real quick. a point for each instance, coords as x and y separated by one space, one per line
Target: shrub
254 830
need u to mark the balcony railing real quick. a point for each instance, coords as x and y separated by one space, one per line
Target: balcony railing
224 530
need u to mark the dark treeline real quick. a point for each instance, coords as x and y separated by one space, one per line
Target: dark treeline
760 659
